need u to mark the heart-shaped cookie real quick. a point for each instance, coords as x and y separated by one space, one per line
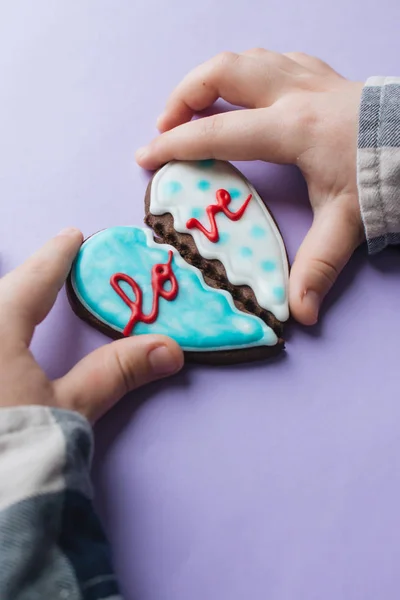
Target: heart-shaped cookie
215 279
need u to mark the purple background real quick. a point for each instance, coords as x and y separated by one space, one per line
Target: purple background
277 481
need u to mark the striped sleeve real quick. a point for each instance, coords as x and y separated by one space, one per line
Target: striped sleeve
378 163
51 542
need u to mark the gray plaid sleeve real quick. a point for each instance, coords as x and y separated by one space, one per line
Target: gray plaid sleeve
52 545
378 161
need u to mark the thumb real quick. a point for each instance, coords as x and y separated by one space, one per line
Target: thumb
100 379
326 249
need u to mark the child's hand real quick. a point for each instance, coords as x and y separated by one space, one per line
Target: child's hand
300 112
99 380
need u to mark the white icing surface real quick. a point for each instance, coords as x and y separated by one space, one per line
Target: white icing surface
251 249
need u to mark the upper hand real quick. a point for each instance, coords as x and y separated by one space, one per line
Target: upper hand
300 111
96 382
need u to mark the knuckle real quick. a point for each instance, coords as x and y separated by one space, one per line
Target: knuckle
257 51
41 269
297 55
212 127
211 72
227 58
306 117
163 143
314 60
325 269
38 268
125 370
301 117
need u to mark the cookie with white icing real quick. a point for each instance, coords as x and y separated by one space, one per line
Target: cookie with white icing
214 278
216 219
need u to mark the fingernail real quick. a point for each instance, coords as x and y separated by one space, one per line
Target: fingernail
68 231
311 303
163 361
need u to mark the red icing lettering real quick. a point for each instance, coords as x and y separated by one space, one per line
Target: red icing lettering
160 275
223 200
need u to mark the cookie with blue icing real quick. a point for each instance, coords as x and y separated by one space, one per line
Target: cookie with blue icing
216 219
123 283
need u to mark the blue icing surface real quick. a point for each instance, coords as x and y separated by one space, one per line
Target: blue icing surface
235 193
208 163
268 266
257 232
246 252
199 318
223 238
279 293
197 213
204 185
172 187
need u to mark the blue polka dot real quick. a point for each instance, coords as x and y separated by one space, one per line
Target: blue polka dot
197 213
235 193
279 293
172 187
257 232
268 266
246 252
223 238
206 164
204 185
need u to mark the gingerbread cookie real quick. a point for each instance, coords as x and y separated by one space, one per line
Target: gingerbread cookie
214 279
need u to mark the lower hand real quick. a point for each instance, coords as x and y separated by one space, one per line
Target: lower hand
99 380
299 111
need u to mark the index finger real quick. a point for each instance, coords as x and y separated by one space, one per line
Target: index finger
254 134
28 293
